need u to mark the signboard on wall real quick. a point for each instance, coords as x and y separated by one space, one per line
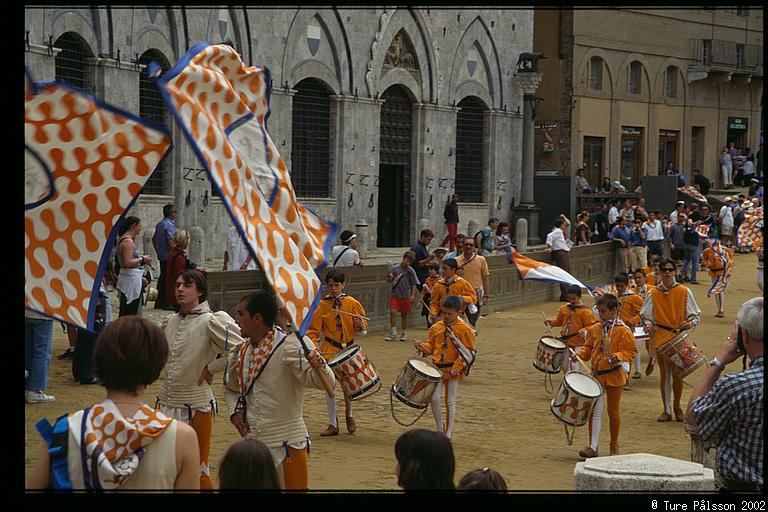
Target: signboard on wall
737 123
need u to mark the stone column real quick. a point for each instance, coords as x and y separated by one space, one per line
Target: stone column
527 209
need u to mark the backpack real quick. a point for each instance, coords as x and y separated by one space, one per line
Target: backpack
57 438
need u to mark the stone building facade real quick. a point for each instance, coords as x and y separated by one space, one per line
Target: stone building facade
365 105
628 90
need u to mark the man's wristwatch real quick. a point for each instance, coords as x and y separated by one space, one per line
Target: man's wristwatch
716 362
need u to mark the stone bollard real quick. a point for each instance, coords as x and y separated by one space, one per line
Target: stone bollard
196 247
472 228
521 235
361 229
642 472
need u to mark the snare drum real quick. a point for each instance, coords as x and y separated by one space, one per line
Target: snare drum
416 384
574 400
354 370
549 355
682 355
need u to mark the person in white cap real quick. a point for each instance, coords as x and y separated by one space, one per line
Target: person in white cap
726 222
346 255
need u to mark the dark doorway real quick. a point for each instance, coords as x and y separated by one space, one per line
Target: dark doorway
395 168
391 205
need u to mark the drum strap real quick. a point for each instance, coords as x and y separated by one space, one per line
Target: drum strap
568 336
443 365
338 345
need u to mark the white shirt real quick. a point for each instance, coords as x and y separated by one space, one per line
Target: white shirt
556 240
655 230
726 215
613 214
673 217
748 169
348 259
237 251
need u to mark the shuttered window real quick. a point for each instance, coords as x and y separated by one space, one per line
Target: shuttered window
470 138
153 108
311 125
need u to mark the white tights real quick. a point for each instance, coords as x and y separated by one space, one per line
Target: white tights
453 386
570 363
597 416
639 344
330 402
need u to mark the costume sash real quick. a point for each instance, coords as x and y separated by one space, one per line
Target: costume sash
466 355
111 446
257 359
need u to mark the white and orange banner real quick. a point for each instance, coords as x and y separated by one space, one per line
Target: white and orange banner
750 234
85 163
528 268
222 106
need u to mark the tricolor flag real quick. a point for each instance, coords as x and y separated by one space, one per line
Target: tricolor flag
85 163
540 271
222 106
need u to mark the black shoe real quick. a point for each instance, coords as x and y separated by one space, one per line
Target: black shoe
89 381
67 354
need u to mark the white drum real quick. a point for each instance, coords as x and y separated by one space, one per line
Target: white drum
640 334
574 400
416 384
549 355
355 372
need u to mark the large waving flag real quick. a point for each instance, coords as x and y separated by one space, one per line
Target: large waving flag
750 234
85 163
528 268
222 107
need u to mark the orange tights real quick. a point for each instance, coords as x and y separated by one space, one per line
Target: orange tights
202 423
295 473
676 385
614 417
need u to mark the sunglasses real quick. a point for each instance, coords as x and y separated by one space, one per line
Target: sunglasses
667 270
469 245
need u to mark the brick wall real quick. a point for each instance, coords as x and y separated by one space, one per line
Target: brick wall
593 264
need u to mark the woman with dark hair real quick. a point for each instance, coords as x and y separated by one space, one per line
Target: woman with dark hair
424 460
153 450
607 186
485 479
451 217
248 464
130 281
196 338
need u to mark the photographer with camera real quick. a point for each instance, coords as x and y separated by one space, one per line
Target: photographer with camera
728 412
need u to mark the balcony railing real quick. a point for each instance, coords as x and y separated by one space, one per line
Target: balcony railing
727 55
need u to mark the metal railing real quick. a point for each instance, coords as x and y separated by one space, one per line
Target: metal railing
731 55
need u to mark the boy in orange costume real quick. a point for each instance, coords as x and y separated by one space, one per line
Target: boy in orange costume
719 261
338 332
572 317
610 348
668 310
450 284
451 343
630 304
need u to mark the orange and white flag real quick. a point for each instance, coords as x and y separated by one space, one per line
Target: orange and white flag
528 268
222 106
85 163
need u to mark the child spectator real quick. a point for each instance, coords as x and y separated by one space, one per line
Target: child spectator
425 460
404 281
426 290
248 464
485 479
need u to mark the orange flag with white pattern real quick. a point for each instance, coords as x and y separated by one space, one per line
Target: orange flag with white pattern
85 163
222 106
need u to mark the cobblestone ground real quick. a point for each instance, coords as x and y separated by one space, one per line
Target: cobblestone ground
503 417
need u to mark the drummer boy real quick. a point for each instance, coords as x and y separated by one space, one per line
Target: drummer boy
451 343
610 348
572 317
338 330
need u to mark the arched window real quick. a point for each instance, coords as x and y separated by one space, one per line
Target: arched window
596 73
311 125
470 137
635 77
70 62
153 108
670 82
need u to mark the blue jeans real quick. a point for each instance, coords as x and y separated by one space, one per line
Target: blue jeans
38 335
692 254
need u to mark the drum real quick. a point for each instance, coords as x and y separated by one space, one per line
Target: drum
416 384
354 370
682 355
574 400
549 355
